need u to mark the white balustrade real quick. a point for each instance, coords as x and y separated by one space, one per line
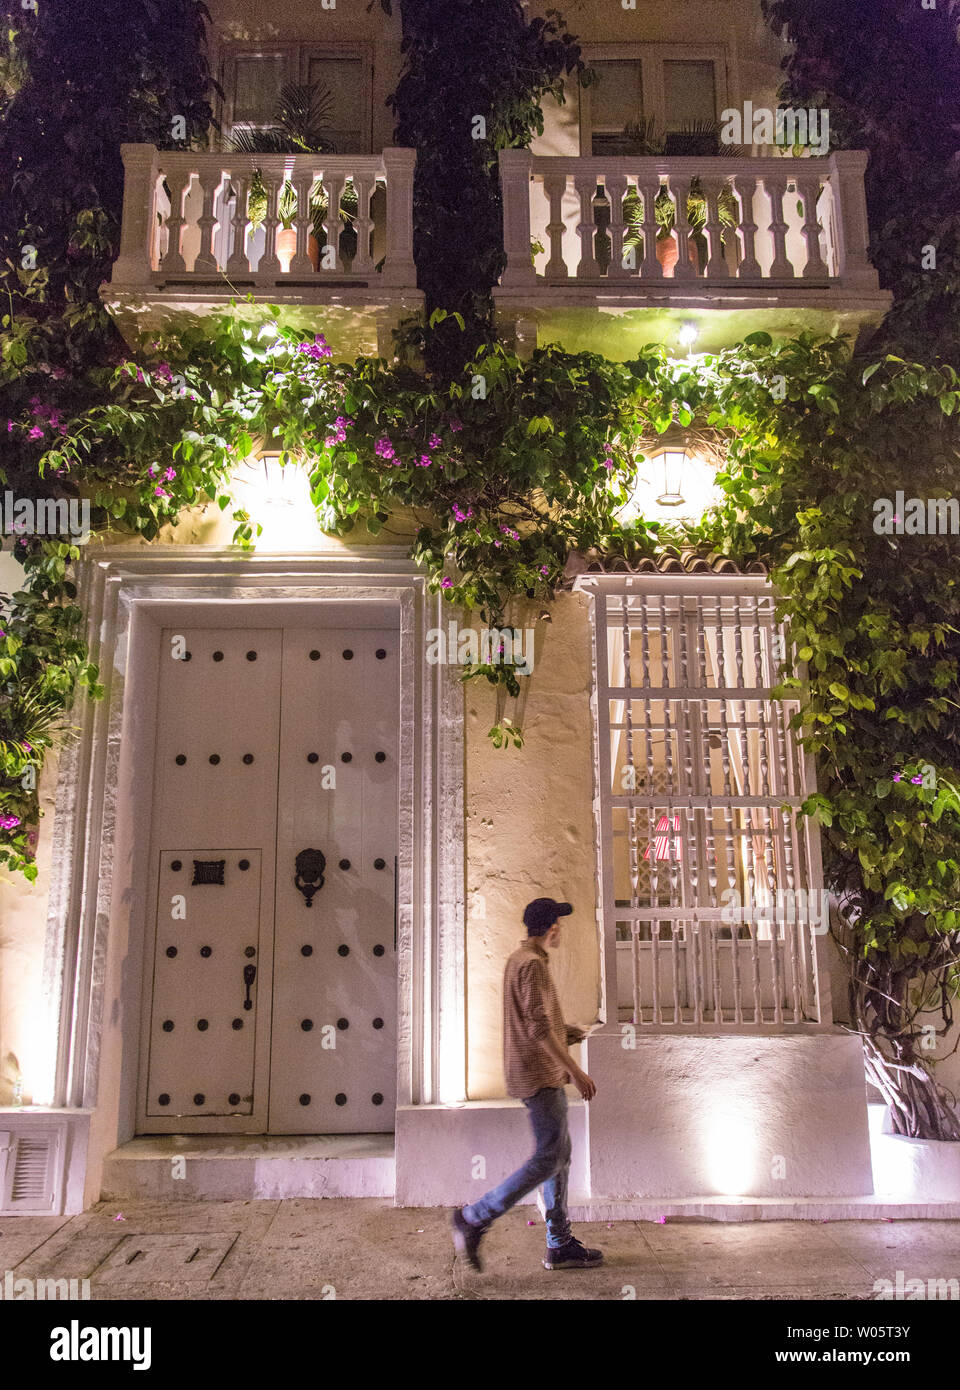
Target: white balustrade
763 221
188 218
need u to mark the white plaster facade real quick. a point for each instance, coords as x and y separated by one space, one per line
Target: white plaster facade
699 1118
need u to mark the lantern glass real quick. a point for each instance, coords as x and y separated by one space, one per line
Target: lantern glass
673 461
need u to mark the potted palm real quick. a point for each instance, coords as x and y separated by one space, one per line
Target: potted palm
300 126
646 138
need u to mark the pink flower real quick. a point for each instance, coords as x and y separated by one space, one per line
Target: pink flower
916 780
162 370
9 427
446 583
8 822
170 474
35 433
153 470
544 570
424 461
896 776
161 492
384 449
608 462
434 442
455 425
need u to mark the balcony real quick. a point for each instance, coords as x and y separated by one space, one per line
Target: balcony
194 236
780 245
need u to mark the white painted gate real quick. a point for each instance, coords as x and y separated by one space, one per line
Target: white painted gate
270 1002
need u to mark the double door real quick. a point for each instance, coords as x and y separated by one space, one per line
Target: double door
270 972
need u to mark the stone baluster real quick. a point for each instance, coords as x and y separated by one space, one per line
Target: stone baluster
776 186
746 188
238 262
585 186
364 183
179 180
809 191
648 186
269 267
303 181
717 268
555 186
137 259
211 181
399 269
680 192
616 186
333 187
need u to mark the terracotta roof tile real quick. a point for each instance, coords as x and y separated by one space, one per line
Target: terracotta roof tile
667 560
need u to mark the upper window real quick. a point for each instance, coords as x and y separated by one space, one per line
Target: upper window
252 80
652 98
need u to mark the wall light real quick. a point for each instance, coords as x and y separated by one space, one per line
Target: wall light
276 495
673 461
688 334
671 485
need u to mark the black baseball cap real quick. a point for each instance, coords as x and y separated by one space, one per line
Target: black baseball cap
540 915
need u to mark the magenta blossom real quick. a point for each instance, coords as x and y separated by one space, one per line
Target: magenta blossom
170 474
384 449
434 442
446 584
8 822
153 470
35 433
896 776
916 780
424 461
544 570
161 492
462 515
455 425
162 370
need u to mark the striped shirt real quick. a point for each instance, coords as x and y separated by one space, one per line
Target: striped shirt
531 1012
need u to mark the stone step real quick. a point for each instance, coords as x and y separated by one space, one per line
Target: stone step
248 1167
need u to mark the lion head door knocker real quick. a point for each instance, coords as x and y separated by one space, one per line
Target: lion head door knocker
309 877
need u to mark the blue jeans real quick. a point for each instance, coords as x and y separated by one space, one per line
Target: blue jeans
548 1169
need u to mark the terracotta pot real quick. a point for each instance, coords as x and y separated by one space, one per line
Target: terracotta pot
668 253
313 251
286 246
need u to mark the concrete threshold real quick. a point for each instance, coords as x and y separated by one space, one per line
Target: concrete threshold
248 1167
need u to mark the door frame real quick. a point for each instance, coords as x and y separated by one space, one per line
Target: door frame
98 904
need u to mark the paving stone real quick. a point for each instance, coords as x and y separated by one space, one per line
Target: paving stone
20 1236
368 1249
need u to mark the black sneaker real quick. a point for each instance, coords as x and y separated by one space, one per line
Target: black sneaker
572 1255
467 1238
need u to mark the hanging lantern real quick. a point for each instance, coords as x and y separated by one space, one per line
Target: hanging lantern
673 464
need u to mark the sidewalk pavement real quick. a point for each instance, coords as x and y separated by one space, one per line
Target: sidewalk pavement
365 1248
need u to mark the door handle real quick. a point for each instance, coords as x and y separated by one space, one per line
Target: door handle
249 975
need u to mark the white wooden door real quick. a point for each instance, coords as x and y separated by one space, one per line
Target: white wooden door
270 1001
333 1057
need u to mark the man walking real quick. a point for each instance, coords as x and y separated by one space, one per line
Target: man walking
537 1066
